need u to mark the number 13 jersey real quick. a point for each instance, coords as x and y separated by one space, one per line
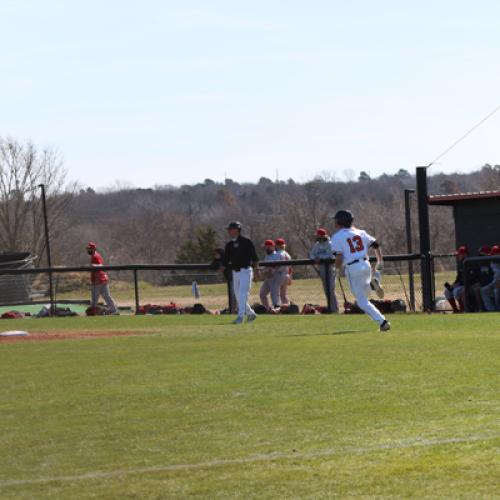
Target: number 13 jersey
352 243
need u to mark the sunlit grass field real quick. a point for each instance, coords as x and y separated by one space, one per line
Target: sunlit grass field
286 407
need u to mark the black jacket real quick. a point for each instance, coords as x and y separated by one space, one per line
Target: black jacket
240 254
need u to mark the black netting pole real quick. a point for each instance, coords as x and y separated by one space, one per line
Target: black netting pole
409 249
136 292
328 286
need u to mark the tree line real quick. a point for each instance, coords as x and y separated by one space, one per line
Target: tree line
165 224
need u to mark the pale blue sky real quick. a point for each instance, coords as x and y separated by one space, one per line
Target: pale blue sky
158 92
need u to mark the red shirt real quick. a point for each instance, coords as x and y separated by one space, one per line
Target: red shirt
98 277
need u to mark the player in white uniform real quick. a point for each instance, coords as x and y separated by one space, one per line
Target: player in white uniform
284 271
272 279
351 247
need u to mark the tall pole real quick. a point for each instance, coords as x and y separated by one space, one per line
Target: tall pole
409 247
47 246
425 239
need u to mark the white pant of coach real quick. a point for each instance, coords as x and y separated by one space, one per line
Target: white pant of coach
359 275
242 281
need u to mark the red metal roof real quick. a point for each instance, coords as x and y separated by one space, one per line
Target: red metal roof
453 199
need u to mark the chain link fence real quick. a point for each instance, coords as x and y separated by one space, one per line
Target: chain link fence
177 288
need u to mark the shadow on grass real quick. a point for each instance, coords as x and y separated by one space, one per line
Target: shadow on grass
338 332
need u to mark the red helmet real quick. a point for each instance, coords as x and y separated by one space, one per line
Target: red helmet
495 250
321 232
485 250
462 250
269 243
91 245
280 241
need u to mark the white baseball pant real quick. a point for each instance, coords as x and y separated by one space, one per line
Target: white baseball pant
271 285
242 281
103 289
284 283
322 273
359 276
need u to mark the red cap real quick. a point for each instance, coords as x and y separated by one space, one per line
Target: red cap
484 249
269 243
92 245
280 241
462 250
321 232
495 250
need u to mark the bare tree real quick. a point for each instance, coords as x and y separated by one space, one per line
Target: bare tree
22 169
306 211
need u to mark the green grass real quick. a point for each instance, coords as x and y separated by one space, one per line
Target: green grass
287 407
215 296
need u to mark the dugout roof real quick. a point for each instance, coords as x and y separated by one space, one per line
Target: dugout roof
455 199
476 217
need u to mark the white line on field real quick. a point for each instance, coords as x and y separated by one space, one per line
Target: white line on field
402 444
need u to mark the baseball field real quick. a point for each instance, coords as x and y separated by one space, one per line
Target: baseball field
286 407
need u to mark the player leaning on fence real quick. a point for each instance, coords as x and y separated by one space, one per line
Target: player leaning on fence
240 256
322 250
351 246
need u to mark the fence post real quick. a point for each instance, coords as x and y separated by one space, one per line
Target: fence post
425 240
47 248
136 291
467 305
328 286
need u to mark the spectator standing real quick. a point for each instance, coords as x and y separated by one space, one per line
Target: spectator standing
241 258
322 250
272 278
285 271
99 280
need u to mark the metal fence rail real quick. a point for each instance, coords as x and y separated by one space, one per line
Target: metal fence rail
177 278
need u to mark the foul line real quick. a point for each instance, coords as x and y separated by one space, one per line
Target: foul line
252 459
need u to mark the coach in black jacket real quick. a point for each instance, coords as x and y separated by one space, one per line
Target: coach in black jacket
240 256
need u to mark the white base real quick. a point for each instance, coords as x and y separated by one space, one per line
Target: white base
14 333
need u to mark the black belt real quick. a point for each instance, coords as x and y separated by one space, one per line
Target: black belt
354 261
238 269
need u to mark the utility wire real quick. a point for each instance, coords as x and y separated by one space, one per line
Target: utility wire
477 125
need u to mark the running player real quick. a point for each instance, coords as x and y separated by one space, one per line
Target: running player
351 247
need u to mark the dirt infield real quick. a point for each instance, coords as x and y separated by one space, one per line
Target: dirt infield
75 335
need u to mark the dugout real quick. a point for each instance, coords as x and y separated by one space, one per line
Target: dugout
15 289
476 217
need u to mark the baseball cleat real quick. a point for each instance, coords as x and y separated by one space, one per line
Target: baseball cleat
377 288
385 326
238 321
251 317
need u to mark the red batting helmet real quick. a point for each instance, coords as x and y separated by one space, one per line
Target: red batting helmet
495 250
485 250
